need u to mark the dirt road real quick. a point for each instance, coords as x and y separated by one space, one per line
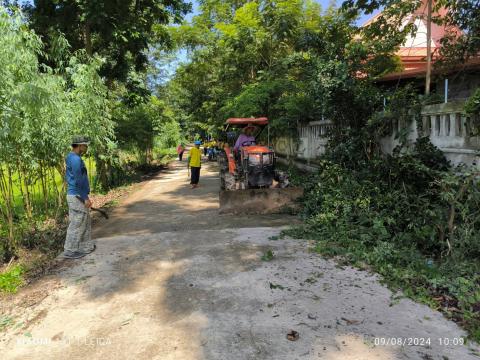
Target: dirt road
171 279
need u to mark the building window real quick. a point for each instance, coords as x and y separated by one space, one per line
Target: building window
437 125
447 124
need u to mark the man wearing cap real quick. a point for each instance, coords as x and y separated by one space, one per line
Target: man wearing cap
195 163
246 138
78 242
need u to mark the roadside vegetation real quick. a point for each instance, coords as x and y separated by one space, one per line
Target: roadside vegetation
64 70
54 85
408 216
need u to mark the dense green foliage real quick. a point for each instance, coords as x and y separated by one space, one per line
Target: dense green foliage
407 216
54 88
147 126
85 69
40 109
12 279
287 60
294 62
117 31
121 34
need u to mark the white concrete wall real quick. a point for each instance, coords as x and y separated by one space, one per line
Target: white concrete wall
448 129
388 143
446 125
451 131
285 147
312 139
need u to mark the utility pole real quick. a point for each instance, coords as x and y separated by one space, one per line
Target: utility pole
429 47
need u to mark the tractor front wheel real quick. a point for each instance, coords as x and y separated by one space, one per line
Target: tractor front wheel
229 181
222 180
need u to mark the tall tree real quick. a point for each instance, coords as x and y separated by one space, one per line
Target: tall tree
117 30
285 59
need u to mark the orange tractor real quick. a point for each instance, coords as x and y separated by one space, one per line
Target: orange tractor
251 166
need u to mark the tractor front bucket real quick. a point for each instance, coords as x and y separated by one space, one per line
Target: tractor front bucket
260 201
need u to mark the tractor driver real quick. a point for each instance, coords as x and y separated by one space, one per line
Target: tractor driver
246 138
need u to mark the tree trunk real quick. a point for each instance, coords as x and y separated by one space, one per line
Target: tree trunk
60 194
6 193
43 181
102 173
88 38
23 182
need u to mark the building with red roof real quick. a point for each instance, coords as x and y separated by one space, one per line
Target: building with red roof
463 79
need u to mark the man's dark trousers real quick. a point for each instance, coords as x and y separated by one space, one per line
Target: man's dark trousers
195 175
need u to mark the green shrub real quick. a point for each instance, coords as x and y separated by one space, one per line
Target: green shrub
169 135
410 217
11 279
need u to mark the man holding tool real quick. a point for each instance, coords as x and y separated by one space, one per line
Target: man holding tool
79 239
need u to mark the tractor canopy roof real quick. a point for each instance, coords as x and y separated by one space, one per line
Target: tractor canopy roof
261 121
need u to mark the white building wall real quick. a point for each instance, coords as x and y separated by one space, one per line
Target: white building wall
446 125
448 128
312 139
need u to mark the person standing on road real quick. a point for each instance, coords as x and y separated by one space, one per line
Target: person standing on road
78 242
180 151
195 163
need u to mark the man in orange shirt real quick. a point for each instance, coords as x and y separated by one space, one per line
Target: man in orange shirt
180 151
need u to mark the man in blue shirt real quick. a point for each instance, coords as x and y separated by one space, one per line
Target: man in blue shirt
78 242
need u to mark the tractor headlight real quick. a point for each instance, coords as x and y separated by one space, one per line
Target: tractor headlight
267 159
254 159
259 159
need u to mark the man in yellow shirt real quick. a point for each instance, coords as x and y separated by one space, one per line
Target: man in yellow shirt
195 163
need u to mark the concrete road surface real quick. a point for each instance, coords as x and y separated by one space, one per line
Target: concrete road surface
171 279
